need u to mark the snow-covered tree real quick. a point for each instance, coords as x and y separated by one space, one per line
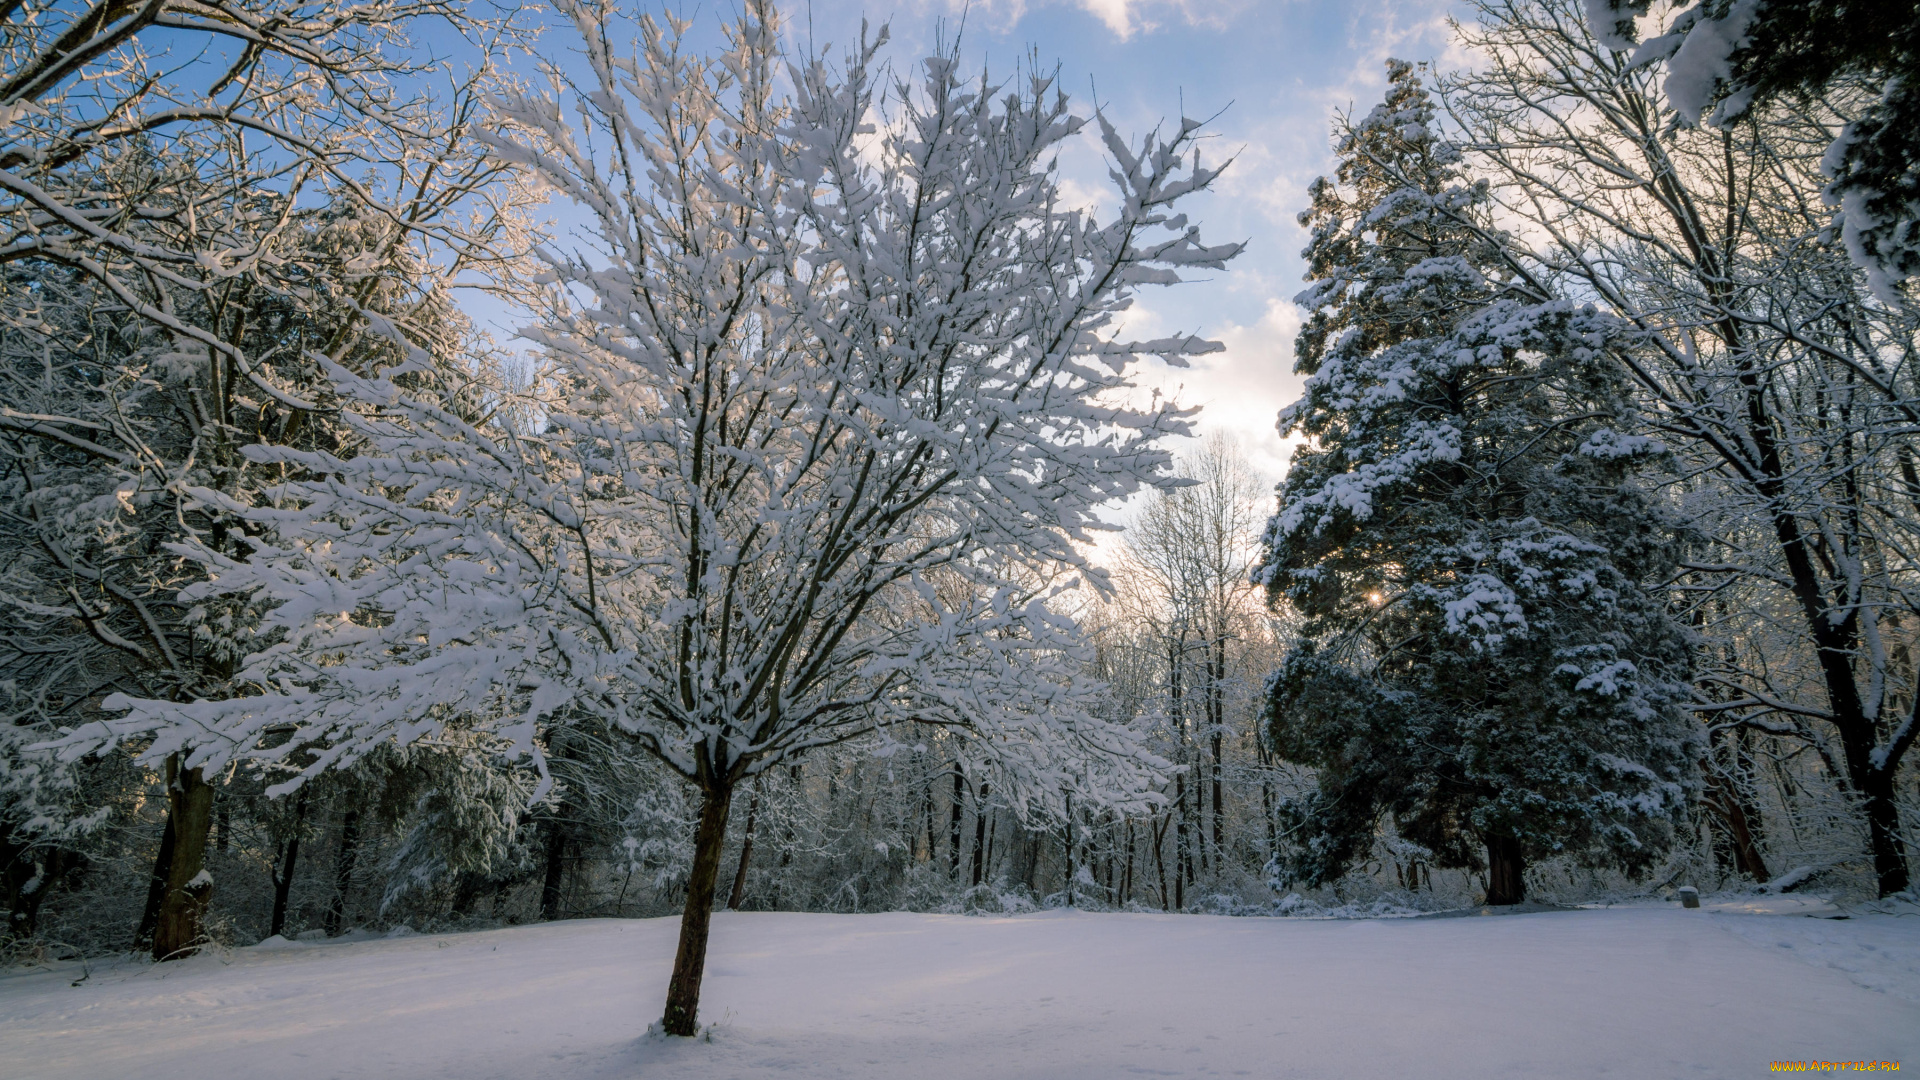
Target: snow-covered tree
1485 655
1725 57
181 240
1760 352
828 402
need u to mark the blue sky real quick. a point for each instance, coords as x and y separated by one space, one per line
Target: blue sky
1279 69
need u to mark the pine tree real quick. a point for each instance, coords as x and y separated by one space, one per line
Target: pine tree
1467 533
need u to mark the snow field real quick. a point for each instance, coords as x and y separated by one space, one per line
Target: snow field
1634 992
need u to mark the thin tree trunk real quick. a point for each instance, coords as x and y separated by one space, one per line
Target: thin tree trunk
283 879
738 895
1182 853
1160 862
696 920
953 828
1273 831
1506 871
183 908
927 807
343 872
979 829
1070 866
1126 879
993 833
1217 705
1219 808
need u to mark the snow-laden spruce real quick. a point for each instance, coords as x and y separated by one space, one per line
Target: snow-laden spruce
825 403
1466 535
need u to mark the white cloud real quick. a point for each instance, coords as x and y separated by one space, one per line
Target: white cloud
1117 14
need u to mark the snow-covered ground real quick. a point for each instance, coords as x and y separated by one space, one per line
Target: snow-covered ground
1628 992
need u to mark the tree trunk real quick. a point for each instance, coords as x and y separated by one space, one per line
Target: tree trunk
1883 831
1219 809
927 807
953 827
1070 866
993 833
467 893
283 879
739 894
343 872
1506 871
556 868
156 885
1273 830
1160 862
183 907
1217 704
1182 854
979 829
690 961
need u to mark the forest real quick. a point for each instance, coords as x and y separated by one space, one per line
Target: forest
465 467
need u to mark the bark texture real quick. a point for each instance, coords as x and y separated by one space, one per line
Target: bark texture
181 924
1506 871
690 960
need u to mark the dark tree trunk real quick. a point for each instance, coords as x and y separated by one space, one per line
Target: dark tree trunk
466 893
181 925
1182 853
953 827
1883 831
556 868
1219 808
1217 705
927 807
1070 866
993 834
690 961
1506 871
343 872
739 894
283 879
1160 863
156 885
1273 831
1126 878
979 830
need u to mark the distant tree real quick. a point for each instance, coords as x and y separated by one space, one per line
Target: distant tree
1467 538
1187 559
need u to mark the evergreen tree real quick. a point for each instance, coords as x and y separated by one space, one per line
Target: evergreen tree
1468 537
